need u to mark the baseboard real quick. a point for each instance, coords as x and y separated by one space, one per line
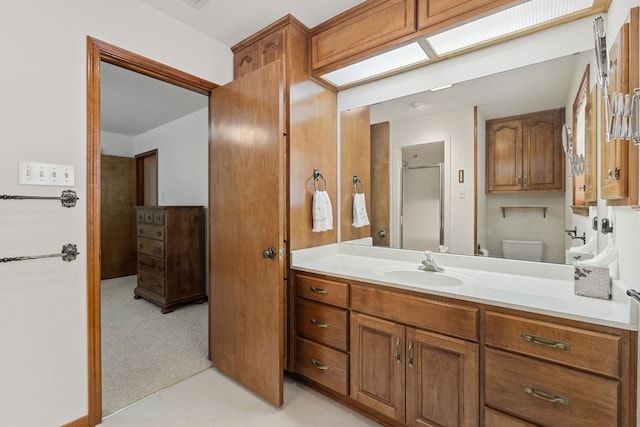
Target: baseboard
80 422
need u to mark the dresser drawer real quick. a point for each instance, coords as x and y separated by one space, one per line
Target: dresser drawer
493 418
323 365
424 313
151 231
547 394
327 291
151 265
151 247
581 348
151 282
322 323
158 217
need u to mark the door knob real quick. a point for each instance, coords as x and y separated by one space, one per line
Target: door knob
382 233
269 253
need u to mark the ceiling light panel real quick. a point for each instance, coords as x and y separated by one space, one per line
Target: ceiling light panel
505 22
379 64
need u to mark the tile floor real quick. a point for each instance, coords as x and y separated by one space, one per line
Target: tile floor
211 399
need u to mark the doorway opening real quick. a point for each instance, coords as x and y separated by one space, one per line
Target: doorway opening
147 178
98 51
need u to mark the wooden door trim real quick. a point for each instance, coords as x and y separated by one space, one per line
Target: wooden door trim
100 51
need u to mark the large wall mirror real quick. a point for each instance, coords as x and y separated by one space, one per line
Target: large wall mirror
436 142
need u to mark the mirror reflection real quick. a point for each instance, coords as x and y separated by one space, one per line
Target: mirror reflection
477 168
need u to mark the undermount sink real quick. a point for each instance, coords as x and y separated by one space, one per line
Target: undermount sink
421 277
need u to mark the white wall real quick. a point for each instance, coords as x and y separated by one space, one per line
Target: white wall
43 303
115 144
183 159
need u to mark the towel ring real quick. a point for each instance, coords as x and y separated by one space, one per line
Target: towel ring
316 177
357 181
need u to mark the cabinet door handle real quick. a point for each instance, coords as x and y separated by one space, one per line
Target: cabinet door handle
319 323
398 350
549 397
411 353
319 365
546 342
319 290
526 181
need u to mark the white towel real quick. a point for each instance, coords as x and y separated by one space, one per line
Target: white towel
360 218
322 212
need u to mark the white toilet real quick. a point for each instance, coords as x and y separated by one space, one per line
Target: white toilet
527 250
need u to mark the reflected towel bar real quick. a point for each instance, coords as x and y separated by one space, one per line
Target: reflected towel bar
68 198
69 253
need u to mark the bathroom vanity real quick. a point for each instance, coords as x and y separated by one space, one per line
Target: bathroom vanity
486 342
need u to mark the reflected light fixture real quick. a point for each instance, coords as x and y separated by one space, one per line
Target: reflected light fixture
435 89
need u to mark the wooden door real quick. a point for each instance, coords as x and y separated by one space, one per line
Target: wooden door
442 380
377 365
247 217
380 192
504 155
117 216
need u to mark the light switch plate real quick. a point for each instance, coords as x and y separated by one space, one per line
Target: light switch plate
35 173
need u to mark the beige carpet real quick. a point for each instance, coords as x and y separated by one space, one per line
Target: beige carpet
143 350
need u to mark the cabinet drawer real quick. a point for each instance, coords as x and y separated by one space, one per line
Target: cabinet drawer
327 291
151 282
158 217
436 316
581 348
151 231
151 247
151 265
322 323
547 394
493 418
322 364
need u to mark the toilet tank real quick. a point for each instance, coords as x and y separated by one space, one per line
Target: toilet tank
527 250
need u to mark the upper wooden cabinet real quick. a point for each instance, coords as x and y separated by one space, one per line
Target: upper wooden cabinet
353 34
267 49
433 14
524 153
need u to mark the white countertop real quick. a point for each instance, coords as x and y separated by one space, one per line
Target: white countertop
528 286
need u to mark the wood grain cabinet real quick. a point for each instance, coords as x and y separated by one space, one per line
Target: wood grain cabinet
434 14
322 328
414 376
543 373
170 255
524 153
265 50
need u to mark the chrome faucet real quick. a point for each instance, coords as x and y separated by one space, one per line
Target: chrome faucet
429 263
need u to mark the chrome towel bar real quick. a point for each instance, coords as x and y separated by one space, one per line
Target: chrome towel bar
69 253
68 198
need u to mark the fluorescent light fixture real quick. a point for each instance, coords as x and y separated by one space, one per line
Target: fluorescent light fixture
435 89
508 21
379 64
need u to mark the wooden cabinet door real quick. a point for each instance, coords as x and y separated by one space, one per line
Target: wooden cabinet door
614 163
504 156
543 163
271 48
245 61
442 380
377 365
247 216
438 13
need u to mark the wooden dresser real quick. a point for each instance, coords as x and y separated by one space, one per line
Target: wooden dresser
170 255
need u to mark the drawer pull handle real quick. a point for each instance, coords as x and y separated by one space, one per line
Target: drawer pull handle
545 396
319 365
411 353
319 290
545 341
319 323
398 351
140 231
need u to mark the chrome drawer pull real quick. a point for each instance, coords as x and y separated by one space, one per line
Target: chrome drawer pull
318 290
545 341
319 365
319 323
545 396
